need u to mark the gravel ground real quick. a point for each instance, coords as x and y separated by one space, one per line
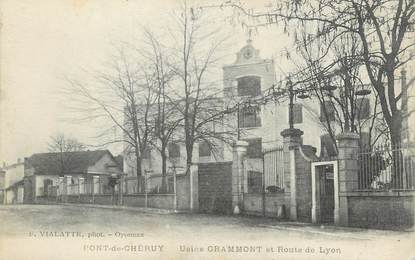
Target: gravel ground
48 231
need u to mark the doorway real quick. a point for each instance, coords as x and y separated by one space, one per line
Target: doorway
325 198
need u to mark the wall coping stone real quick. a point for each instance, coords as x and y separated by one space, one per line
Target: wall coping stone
308 152
407 193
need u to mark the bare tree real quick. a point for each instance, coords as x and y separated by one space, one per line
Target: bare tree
195 58
165 117
63 149
334 79
120 94
382 28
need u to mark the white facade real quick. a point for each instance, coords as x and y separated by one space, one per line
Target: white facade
273 116
12 175
248 77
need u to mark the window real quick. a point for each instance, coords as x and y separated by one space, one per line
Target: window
249 86
330 110
254 182
204 149
147 153
249 117
254 149
174 150
328 148
297 113
362 108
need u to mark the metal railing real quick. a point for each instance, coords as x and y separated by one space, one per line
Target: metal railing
152 184
265 174
274 169
387 167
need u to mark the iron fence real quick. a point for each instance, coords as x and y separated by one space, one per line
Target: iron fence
134 185
387 167
265 174
274 169
152 184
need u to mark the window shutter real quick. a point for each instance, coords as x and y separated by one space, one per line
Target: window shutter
147 153
174 150
249 86
204 149
330 111
249 117
254 149
362 108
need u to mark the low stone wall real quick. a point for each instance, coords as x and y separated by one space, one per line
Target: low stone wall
215 187
135 200
183 192
45 200
253 204
386 210
103 199
85 199
161 201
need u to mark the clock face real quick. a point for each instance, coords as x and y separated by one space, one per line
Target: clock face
248 53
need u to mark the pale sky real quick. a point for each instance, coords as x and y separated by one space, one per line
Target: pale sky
43 40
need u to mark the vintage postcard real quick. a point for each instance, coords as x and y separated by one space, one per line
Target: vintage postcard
214 129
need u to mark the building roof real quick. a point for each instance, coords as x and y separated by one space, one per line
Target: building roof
16 184
71 162
7 167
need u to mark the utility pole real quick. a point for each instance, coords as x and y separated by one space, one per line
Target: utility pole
291 105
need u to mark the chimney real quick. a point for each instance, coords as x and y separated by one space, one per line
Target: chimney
4 164
19 160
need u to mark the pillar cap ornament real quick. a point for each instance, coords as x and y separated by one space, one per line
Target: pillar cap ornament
292 132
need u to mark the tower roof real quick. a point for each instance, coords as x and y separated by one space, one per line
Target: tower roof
247 54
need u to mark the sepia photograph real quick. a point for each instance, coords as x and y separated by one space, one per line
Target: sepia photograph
207 129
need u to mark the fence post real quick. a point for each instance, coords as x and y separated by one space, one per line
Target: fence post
348 152
95 187
121 190
194 187
239 151
68 182
145 190
291 140
60 187
175 190
81 182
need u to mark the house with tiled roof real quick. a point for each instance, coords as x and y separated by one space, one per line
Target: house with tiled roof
42 170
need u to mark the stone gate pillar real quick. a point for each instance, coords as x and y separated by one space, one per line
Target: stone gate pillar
95 184
348 152
68 182
239 152
291 140
194 187
81 182
60 186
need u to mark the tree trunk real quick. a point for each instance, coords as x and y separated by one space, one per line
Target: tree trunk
189 154
140 181
396 146
163 169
